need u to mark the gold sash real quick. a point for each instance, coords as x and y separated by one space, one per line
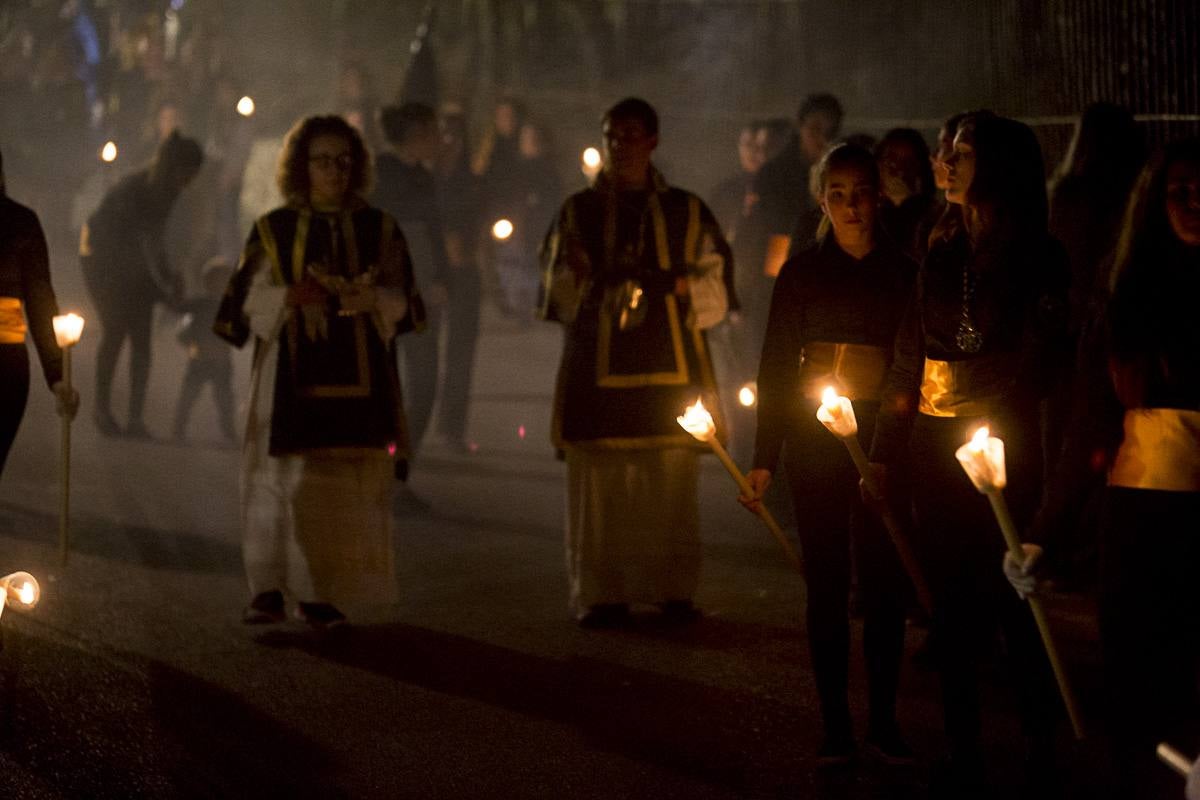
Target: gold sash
968 388
856 371
12 321
1160 450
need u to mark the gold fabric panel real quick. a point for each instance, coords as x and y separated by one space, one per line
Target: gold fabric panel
969 388
12 321
1160 450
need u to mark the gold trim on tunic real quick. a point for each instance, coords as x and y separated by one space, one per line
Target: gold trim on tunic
12 321
1160 450
944 393
610 380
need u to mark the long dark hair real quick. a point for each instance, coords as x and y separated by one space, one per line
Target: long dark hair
1009 186
292 174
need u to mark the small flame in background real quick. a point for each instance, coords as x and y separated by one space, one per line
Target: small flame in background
502 230
748 395
108 153
245 106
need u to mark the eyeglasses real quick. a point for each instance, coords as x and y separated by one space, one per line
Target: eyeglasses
343 162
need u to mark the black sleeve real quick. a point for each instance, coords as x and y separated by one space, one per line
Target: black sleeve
40 304
779 368
899 402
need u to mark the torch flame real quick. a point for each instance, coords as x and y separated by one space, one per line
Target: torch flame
26 594
829 398
21 589
67 329
502 230
591 158
979 440
747 395
697 421
245 106
108 153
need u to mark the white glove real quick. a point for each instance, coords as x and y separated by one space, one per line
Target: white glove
1022 576
1193 782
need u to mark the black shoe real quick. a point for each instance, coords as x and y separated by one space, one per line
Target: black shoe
679 612
265 608
605 616
888 747
105 423
321 616
835 752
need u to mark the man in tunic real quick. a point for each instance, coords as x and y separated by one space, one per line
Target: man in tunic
632 269
324 287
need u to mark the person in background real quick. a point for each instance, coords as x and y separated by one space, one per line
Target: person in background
208 358
125 268
1135 432
632 266
783 181
907 186
27 306
980 345
324 286
405 189
458 195
834 316
941 173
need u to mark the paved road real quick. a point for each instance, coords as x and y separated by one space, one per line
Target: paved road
135 678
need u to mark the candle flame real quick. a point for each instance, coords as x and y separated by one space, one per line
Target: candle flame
26 594
697 421
979 440
502 230
245 106
591 158
748 395
829 398
108 153
21 589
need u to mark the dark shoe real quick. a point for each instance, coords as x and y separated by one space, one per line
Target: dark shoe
605 616
321 616
105 423
888 747
266 608
835 752
679 612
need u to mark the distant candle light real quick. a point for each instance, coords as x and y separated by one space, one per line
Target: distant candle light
245 106
748 395
591 162
502 230
108 153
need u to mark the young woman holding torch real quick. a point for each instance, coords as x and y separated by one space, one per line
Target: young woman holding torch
979 345
1136 422
834 315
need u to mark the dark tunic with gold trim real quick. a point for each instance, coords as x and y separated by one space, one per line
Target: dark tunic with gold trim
339 388
615 256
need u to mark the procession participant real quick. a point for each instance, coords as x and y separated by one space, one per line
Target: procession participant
27 306
980 345
633 272
833 318
323 288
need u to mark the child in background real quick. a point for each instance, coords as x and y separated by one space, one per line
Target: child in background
209 359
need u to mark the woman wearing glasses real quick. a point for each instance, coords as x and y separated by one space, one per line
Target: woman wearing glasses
324 286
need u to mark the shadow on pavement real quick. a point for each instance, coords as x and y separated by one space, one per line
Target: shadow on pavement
133 544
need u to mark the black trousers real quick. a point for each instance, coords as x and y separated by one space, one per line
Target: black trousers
125 312
832 519
419 353
961 549
14 394
217 373
1149 607
462 337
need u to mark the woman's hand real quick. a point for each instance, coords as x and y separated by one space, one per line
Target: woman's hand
66 399
759 480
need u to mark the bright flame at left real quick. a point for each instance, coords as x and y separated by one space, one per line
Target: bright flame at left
67 329
245 106
109 152
21 590
697 421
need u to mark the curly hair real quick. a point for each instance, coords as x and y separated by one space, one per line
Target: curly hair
292 174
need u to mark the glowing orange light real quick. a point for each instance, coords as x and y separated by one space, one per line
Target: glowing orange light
245 106
108 153
502 230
